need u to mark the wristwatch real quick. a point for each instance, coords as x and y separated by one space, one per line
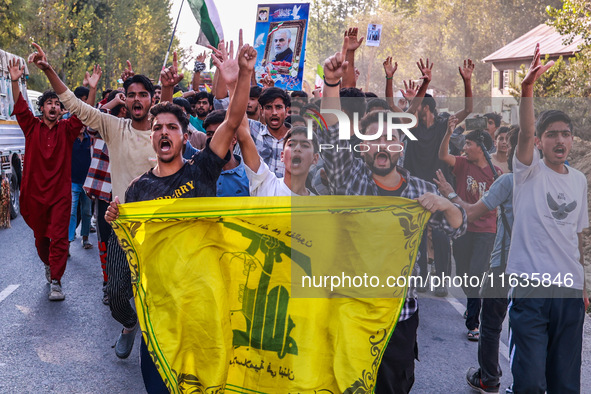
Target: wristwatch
451 196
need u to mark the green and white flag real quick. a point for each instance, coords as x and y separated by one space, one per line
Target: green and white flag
208 19
319 76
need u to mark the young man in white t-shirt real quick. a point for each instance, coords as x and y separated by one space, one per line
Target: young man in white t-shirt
299 154
546 311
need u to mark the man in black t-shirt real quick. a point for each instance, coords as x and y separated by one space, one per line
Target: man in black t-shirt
174 177
422 160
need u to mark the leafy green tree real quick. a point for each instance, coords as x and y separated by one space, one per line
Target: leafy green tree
445 32
572 19
78 34
564 87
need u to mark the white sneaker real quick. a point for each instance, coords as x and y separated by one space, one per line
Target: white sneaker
55 291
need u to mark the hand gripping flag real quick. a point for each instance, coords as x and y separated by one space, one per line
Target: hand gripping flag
231 292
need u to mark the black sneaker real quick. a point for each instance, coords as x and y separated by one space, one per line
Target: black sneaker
474 381
441 291
423 285
124 344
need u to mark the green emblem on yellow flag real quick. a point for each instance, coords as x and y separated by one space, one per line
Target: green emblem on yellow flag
234 294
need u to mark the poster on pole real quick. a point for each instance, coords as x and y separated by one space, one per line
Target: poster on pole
374 34
280 41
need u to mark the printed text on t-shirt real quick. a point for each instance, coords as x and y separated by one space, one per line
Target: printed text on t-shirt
179 191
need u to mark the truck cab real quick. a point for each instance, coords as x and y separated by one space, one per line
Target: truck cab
12 139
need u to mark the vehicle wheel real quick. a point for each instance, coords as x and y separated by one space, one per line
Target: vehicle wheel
14 197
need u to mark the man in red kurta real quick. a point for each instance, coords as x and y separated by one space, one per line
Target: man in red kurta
46 195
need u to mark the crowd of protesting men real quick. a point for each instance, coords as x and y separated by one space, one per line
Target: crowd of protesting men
145 141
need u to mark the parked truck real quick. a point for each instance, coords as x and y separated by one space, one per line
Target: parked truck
12 139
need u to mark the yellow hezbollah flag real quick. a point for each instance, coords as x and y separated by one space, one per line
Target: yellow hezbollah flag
234 294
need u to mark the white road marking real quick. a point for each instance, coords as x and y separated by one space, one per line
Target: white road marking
8 291
503 349
26 311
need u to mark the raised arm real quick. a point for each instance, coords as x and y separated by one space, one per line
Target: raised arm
466 73
220 142
526 136
16 72
38 58
267 81
128 72
227 65
199 66
335 67
390 69
444 154
92 84
250 155
90 116
349 80
340 165
220 88
169 78
426 69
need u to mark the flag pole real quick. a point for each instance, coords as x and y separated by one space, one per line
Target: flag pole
172 38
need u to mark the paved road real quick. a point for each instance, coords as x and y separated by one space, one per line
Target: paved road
57 347
446 354
65 347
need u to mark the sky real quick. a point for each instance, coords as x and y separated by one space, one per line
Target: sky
234 14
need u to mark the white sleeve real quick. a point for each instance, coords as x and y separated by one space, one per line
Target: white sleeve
521 172
263 183
104 123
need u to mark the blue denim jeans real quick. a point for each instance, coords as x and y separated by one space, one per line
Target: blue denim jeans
79 197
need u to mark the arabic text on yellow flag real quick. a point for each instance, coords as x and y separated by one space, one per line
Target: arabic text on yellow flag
222 300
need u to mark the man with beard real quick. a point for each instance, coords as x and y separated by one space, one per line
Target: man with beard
376 174
253 108
281 41
203 105
174 177
130 154
46 194
157 94
268 137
